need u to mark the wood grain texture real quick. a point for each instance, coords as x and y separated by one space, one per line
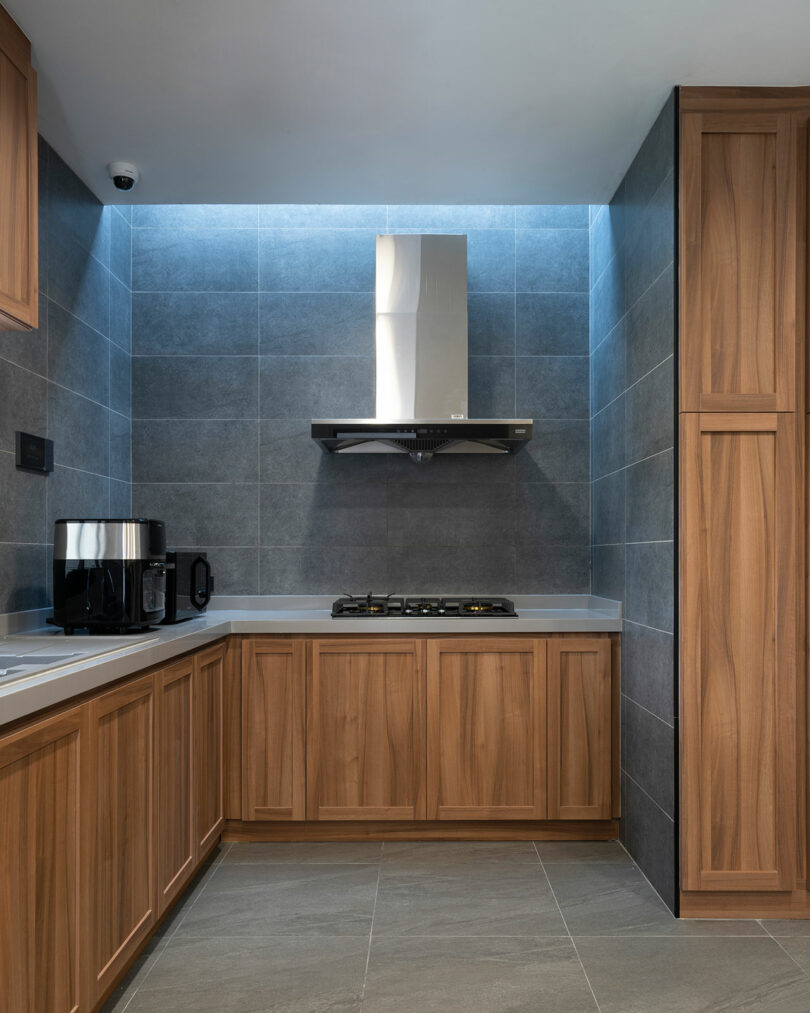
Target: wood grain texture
273 729
175 794
18 181
40 868
740 635
423 830
119 824
740 263
792 904
209 759
366 730
232 721
580 720
486 702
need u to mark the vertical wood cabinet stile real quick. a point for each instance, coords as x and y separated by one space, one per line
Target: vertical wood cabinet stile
42 885
174 694
273 729
366 729
743 669
18 181
208 748
120 848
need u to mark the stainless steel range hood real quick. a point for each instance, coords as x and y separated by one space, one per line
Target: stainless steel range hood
421 399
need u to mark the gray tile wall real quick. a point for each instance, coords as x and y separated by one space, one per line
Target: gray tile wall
69 380
249 321
632 329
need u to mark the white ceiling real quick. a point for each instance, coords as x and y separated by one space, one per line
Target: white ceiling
385 101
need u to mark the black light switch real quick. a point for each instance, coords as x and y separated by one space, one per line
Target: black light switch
34 453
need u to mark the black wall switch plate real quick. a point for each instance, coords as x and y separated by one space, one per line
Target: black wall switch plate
34 453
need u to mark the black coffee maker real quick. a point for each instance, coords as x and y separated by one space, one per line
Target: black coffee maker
109 576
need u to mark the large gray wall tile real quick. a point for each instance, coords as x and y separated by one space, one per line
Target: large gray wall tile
323 216
552 514
80 430
650 836
77 355
648 754
23 584
551 323
23 404
22 504
457 514
648 676
491 386
202 514
329 386
78 282
558 452
289 454
195 323
195 451
317 323
651 499
491 323
552 569
322 569
551 260
316 260
650 413
608 503
433 569
450 216
552 387
195 216
551 216
76 494
319 514
194 260
650 584
195 387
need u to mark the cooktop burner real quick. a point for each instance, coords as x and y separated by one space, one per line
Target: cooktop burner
386 606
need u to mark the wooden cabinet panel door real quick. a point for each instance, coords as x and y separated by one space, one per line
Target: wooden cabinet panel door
175 819
209 767
121 848
273 722
40 868
579 729
366 730
486 705
740 591
18 180
740 346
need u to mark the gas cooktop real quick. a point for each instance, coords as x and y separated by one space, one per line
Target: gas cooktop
372 606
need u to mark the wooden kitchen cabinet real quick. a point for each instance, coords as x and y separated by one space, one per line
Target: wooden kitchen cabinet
175 792
41 868
273 729
18 180
580 735
208 740
741 579
366 729
120 847
741 257
486 728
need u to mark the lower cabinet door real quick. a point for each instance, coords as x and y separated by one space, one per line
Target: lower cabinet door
273 723
579 729
175 821
41 927
486 745
121 849
742 576
209 772
366 730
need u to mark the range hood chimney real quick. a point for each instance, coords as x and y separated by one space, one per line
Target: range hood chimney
421 353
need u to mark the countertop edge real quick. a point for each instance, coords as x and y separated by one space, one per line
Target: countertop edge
38 691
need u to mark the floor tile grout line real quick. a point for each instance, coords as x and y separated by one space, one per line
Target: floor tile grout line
162 949
371 927
790 956
565 923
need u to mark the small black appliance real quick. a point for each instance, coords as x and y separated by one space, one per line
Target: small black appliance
109 576
189 585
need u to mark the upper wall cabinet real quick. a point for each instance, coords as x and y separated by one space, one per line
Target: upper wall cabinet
741 264
18 180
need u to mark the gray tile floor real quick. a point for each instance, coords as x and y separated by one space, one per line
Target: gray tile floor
401 928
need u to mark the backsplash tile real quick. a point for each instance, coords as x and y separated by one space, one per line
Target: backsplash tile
68 380
307 325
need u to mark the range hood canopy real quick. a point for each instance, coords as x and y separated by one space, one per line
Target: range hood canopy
421 358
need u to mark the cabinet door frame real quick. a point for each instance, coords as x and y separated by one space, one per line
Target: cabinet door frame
101 978
601 807
13 748
252 807
695 349
168 890
697 811
206 836
23 314
317 648
487 644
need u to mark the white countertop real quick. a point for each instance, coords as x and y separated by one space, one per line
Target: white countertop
95 661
